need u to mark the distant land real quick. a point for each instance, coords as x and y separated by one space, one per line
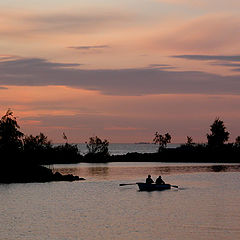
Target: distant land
23 156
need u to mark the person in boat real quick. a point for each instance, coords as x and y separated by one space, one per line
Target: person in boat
149 180
159 181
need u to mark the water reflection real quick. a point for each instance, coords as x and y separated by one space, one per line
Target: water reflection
65 171
192 169
134 172
98 171
219 168
208 209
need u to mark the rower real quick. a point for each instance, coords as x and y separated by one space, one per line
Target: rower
159 180
149 180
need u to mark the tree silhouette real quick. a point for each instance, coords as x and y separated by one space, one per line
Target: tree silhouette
218 135
37 143
10 136
65 137
237 141
189 141
97 146
162 140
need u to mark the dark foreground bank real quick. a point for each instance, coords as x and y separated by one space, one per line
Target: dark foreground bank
22 173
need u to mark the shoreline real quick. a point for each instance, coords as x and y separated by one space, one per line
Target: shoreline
24 168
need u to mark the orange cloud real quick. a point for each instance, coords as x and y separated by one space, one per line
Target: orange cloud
81 114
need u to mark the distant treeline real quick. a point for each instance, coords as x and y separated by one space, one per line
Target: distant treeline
18 148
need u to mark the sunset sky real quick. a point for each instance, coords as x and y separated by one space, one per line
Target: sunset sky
121 70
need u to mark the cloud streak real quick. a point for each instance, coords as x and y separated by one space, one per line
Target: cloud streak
94 47
232 58
131 82
160 66
52 23
232 61
55 23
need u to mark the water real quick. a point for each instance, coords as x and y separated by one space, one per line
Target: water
206 205
123 148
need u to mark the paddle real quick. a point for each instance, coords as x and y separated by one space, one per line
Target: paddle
125 184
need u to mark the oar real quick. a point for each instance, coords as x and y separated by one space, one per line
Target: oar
125 184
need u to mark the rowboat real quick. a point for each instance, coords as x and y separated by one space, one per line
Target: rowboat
152 187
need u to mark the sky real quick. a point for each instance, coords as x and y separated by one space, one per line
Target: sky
120 70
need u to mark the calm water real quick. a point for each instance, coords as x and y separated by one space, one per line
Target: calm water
206 206
123 148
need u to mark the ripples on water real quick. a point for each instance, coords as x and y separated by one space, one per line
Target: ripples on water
206 206
114 171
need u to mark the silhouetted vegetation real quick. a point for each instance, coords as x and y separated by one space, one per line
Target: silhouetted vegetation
40 150
162 140
10 136
22 156
237 141
97 150
218 135
215 150
190 141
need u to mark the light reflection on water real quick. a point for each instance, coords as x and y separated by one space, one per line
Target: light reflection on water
115 172
206 206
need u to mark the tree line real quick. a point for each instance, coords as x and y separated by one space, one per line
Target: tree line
215 140
38 149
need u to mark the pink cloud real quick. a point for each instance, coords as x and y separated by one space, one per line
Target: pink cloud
209 33
205 4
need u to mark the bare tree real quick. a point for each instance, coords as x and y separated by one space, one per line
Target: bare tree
96 145
162 140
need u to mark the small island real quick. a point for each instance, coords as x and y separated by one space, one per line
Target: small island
24 157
